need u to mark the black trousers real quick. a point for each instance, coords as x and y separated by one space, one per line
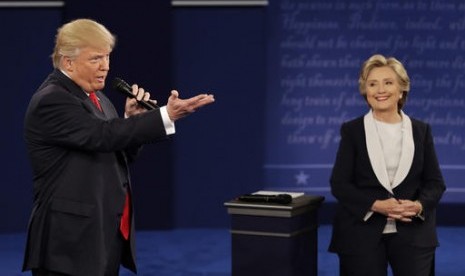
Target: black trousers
404 260
113 260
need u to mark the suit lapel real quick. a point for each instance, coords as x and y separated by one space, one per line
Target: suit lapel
376 155
77 91
109 111
94 109
408 150
375 151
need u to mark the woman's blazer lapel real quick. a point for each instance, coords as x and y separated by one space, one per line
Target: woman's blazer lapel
376 155
408 151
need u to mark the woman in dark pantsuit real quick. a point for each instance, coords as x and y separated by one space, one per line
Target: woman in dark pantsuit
387 182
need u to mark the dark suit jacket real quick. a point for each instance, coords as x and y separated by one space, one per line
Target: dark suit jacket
357 181
79 158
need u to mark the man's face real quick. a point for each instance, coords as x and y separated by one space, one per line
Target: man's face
89 69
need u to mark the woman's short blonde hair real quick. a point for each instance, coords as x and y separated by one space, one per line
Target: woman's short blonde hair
80 33
376 61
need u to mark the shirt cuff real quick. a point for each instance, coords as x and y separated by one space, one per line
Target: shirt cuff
421 213
169 125
368 215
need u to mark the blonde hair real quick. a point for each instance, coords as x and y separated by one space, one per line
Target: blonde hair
376 61
80 33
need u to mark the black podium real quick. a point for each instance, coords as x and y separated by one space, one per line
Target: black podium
273 239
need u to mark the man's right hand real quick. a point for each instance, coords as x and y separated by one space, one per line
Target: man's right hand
178 108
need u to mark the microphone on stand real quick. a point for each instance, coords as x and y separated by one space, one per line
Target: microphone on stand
126 89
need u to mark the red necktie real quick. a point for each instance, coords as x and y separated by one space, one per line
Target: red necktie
125 218
94 100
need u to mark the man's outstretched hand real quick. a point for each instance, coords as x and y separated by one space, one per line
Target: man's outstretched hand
178 108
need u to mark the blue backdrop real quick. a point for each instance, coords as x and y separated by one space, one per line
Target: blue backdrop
216 154
316 49
25 62
284 77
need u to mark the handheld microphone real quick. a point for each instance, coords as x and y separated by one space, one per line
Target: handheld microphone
126 89
280 198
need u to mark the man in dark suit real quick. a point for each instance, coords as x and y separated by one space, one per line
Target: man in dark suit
81 222
387 182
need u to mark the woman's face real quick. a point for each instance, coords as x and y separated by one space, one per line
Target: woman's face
383 89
